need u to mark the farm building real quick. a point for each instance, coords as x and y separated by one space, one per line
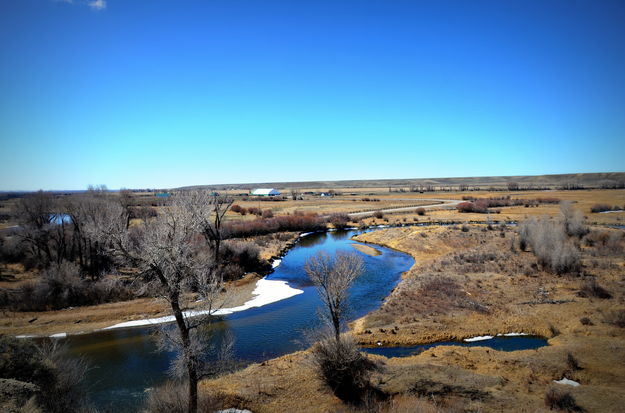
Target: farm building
265 192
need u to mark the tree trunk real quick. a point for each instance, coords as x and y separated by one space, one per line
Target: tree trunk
186 348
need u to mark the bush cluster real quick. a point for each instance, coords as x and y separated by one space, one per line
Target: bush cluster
280 223
339 221
555 399
173 398
59 378
591 288
241 257
548 240
342 367
604 208
61 286
481 205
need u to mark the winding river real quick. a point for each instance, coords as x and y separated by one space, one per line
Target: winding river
126 364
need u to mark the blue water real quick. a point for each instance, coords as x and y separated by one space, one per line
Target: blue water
59 219
126 362
497 343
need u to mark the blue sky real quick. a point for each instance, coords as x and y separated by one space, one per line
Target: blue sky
166 93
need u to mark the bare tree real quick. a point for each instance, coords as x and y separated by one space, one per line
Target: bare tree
210 225
333 277
173 257
35 214
337 357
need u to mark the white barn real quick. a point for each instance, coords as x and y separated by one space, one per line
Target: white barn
265 192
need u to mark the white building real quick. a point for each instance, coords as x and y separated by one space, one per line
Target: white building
265 192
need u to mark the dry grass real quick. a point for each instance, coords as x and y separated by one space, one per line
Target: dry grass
452 266
520 297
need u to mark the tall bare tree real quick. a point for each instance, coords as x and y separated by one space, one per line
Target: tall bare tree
333 277
174 257
36 214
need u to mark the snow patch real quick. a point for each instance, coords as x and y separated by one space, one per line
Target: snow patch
567 382
305 234
59 335
275 263
478 338
25 336
512 334
266 292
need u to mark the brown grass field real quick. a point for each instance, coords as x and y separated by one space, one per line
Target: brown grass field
493 289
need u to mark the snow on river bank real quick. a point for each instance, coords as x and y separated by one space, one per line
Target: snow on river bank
266 292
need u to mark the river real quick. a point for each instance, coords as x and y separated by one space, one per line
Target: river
126 364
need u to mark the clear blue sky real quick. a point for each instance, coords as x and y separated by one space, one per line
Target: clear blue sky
165 93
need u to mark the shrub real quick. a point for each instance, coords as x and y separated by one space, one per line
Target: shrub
586 321
591 288
59 377
378 215
267 213
555 399
465 228
235 208
605 208
465 207
339 221
244 255
420 211
548 241
572 363
573 220
480 206
280 223
616 318
173 398
61 286
342 367
255 211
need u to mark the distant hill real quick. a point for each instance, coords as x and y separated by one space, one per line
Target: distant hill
585 180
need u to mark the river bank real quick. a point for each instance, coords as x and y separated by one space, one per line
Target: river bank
88 319
466 284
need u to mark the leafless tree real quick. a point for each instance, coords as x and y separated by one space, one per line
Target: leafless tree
333 277
174 257
210 225
35 214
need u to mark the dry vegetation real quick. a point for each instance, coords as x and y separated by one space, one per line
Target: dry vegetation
553 277
469 283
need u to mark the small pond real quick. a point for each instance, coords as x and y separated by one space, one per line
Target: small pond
496 343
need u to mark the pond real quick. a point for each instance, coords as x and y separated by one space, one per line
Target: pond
497 343
126 363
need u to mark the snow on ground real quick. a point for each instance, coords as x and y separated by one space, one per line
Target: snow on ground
567 382
512 334
478 338
275 263
266 292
